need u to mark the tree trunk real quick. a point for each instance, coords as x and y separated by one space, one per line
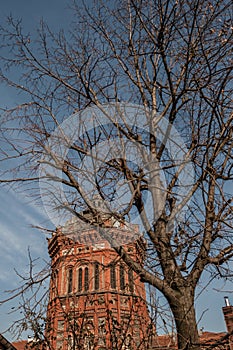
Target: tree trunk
185 319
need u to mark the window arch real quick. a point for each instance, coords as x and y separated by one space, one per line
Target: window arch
70 280
86 279
70 342
122 277
80 279
113 276
96 276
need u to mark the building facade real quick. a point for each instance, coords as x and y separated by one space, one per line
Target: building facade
96 301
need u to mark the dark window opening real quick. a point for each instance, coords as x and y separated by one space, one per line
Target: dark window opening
70 342
80 279
70 280
122 277
86 279
96 276
113 276
131 282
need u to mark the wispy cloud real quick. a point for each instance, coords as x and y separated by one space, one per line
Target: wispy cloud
16 234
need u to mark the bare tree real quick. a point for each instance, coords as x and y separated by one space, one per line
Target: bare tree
64 316
145 75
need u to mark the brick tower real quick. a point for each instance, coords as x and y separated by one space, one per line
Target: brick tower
96 301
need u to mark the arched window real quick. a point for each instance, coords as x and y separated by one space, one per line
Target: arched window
86 279
130 279
80 279
96 277
70 280
113 276
122 277
70 342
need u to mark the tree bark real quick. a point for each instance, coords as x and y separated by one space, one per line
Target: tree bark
183 310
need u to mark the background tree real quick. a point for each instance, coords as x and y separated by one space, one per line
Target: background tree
172 58
67 315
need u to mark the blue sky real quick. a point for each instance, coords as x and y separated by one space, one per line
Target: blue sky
17 216
31 11
16 237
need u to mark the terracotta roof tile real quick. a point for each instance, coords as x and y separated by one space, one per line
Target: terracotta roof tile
20 345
